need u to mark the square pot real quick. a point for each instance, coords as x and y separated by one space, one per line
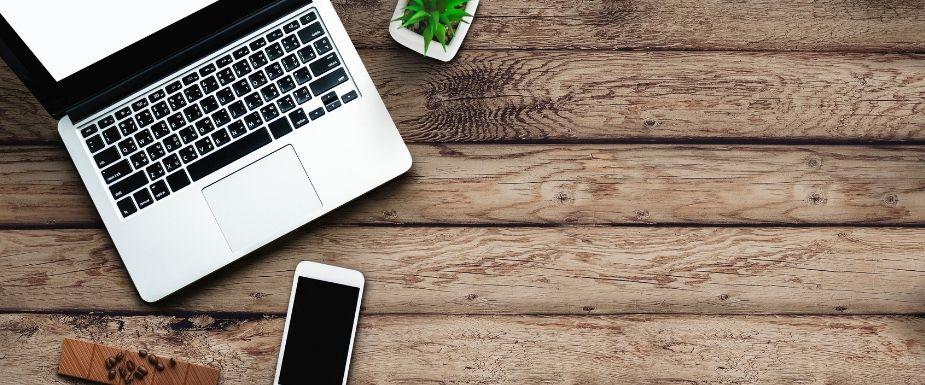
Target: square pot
415 41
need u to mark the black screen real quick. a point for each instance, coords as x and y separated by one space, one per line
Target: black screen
320 328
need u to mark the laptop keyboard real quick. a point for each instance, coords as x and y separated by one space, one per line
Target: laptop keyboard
226 109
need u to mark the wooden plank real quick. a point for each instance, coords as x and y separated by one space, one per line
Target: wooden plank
575 184
569 270
640 96
513 349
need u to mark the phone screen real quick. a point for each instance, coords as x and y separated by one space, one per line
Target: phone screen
320 329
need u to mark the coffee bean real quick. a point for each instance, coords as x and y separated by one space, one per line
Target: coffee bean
112 374
142 353
130 365
110 362
152 359
173 362
142 370
122 371
138 375
120 356
128 379
159 367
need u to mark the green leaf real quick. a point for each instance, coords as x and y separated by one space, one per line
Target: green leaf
456 3
428 37
414 19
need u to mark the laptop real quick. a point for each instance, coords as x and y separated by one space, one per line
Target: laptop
204 129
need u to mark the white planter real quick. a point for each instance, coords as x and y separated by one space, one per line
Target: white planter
415 42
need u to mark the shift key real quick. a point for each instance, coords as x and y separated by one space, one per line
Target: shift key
325 64
329 81
129 185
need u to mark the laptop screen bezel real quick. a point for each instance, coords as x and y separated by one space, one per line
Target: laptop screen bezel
57 97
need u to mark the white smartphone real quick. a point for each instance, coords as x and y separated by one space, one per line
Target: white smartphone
320 325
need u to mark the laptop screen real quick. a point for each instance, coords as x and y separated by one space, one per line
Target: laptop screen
68 36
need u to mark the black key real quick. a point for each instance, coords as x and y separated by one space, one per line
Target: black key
237 109
225 96
190 78
275 51
280 127
157 95
302 95
174 87
225 76
291 43
160 130
292 26
241 68
311 32
253 121
106 157
221 138
116 171
275 35
159 190
209 104
144 138
237 129
228 154
178 180
329 97
241 52
253 101
156 151
307 54
126 207
333 106
274 71
310 17
207 70
269 112
193 93
291 62
172 143
221 118
155 171
139 104
123 113
139 160
145 118
329 81
192 113
172 162
188 135
286 84
89 130
205 126
285 104
259 59
302 76
258 79
317 113
128 185
209 85
349 97
176 121
143 198
95 144
111 135
204 146
325 64
224 61
128 127
176 102
298 118
269 92
188 154
127 146
242 87
161 110
323 45
106 122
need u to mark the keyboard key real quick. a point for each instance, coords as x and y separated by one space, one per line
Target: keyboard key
329 97
228 154
139 160
176 121
111 135
139 104
106 122
323 46
237 129
193 93
159 190
176 102
307 54
221 138
275 51
237 109
292 26
226 76
116 171
275 35
204 146
209 104
188 154
325 64
291 62
280 128
241 52
145 118
127 146
221 118
316 113
241 68
242 87
188 135
89 130
275 70
178 180
225 96
95 144
269 112
190 78
291 43
253 121
286 84
157 95
253 101
144 138
311 32
298 118
269 92
333 106
126 207
209 85
302 76
259 59
128 185
128 127
308 18
172 162
329 81
192 113
160 110
224 61
106 157
172 143
257 79
155 171
207 70
156 152
174 87
143 198
302 95
205 126
123 113
160 130
285 104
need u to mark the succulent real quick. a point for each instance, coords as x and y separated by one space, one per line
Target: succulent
434 19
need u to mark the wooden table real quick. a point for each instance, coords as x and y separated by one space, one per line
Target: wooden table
636 192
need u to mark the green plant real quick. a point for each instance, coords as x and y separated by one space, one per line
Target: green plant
434 19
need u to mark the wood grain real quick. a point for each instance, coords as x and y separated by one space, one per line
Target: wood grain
512 349
569 270
574 184
491 96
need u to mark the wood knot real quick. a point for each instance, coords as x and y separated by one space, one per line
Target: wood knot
563 197
390 214
891 200
588 308
814 163
472 297
650 123
817 199
840 308
723 297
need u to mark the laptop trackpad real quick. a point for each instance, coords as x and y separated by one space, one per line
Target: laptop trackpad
261 201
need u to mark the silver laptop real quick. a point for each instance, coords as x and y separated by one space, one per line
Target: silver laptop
204 129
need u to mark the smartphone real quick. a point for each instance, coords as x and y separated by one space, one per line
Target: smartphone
320 325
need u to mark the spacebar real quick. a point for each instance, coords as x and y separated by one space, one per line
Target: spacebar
226 155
